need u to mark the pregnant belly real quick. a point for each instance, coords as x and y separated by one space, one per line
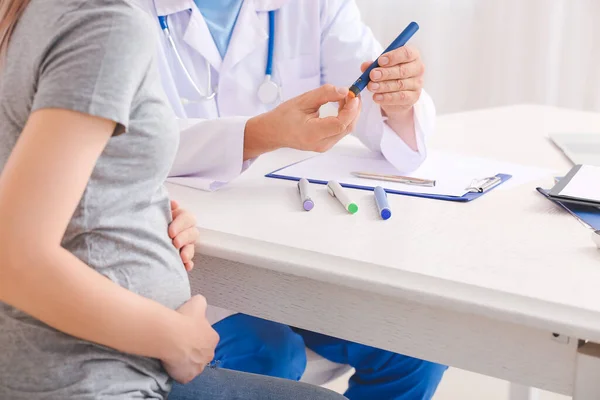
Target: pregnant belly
148 264
168 285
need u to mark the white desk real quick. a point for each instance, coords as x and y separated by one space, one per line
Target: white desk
479 286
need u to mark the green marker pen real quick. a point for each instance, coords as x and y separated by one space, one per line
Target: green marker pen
336 190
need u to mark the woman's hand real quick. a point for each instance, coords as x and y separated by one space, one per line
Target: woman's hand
184 234
195 343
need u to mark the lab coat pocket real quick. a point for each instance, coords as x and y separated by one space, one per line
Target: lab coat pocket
299 75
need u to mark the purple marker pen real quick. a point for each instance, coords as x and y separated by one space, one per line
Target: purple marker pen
307 202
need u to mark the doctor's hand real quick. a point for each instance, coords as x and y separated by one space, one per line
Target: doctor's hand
397 83
296 123
193 346
184 234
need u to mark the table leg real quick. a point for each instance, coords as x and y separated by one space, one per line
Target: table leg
520 392
587 367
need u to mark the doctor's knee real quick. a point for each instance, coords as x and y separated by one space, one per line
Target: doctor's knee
259 346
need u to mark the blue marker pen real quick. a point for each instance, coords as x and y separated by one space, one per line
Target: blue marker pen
382 203
400 41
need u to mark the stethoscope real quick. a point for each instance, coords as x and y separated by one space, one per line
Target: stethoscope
268 92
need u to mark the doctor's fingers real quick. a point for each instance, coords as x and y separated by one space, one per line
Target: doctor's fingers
365 65
347 115
349 111
325 132
331 131
396 85
401 55
329 142
402 71
405 98
315 98
350 128
319 129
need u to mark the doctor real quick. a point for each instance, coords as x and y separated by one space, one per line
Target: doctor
250 73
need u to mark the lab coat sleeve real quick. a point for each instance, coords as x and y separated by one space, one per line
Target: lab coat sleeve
377 135
210 152
346 42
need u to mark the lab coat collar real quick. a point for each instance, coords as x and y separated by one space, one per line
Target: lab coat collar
249 33
268 5
197 35
168 7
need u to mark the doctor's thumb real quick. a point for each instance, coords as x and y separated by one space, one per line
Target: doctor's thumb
325 94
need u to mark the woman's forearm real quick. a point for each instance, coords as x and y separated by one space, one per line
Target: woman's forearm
58 289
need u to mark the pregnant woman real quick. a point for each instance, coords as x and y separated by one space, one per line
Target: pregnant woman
94 298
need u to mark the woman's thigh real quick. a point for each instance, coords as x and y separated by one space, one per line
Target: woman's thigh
224 384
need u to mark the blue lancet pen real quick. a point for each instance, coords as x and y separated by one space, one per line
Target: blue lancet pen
400 41
382 203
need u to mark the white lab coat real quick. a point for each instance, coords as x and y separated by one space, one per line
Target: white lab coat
316 42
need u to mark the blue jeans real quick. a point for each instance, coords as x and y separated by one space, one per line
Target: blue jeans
223 384
263 347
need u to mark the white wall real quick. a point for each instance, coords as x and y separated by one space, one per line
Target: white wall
482 53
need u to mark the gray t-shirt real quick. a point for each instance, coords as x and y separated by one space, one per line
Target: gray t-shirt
95 57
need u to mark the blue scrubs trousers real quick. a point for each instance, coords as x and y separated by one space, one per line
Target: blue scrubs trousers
255 345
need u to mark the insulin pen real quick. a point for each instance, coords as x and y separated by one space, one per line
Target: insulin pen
400 41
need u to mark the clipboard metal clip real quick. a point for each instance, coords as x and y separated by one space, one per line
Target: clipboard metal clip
483 185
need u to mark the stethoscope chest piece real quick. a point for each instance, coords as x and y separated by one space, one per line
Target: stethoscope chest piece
268 91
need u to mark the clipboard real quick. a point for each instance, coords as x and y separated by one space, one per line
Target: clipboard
556 192
588 215
470 196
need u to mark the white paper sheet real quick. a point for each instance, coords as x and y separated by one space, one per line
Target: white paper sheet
453 173
585 184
